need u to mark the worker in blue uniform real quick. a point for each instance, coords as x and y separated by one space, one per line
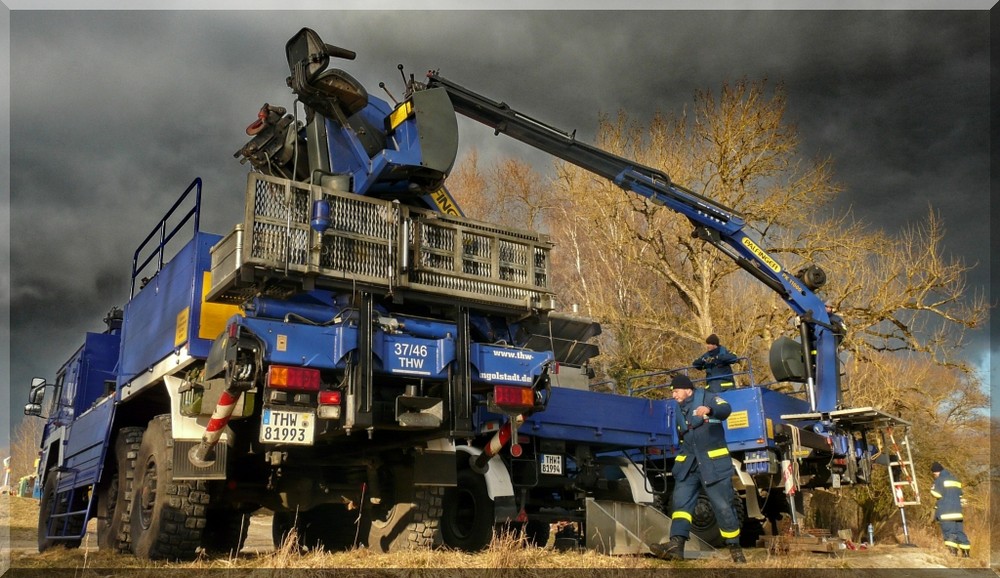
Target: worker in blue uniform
948 511
717 362
703 463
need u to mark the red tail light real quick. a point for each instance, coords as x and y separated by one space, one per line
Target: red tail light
512 397
329 398
293 378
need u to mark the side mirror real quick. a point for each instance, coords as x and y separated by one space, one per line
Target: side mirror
36 394
33 409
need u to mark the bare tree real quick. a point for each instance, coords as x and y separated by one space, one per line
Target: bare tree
25 441
507 192
468 185
909 296
737 150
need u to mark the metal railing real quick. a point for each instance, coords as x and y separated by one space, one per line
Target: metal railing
632 389
165 237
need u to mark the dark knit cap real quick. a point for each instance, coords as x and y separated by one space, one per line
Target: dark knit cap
936 467
712 339
681 382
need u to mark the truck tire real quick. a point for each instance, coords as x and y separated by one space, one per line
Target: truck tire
467 517
705 526
168 516
49 505
114 497
410 525
703 522
225 531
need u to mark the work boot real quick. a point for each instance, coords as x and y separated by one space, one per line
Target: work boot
965 553
737 553
954 551
672 550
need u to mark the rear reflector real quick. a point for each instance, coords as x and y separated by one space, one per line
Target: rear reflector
329 398
513 397
295 378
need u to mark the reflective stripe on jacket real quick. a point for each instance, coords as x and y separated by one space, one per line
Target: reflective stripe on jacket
703 441
948 491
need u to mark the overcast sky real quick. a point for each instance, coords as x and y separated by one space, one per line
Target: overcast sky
113 113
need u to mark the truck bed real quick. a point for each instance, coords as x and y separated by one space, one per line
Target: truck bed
606 421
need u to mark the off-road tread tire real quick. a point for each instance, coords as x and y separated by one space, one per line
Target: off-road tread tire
424 531
127 444
410 525
179 511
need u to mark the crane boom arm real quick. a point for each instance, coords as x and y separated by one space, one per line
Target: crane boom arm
713 222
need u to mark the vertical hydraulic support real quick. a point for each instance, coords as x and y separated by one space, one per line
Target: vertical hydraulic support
318 148
810 357
461 378
360 390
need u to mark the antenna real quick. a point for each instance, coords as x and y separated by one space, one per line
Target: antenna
382 86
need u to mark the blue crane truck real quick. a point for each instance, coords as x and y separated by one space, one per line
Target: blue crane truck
779 443
341 357
377 369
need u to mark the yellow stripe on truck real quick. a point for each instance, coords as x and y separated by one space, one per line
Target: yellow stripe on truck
213 315
399 115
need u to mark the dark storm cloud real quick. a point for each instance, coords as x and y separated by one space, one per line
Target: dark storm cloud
114 113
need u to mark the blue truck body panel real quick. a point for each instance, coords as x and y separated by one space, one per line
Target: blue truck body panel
86 406
606 421
85 445
327 346
163 316
617 422
756 410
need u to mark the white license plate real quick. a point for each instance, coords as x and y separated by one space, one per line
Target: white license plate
287 427
552 464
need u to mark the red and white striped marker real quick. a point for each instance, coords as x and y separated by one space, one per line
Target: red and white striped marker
198 455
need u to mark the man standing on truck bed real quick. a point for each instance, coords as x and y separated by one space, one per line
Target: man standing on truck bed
703 462
717 363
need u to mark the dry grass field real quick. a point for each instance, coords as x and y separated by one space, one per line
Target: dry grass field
506 556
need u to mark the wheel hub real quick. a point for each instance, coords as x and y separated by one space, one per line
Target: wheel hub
147 497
